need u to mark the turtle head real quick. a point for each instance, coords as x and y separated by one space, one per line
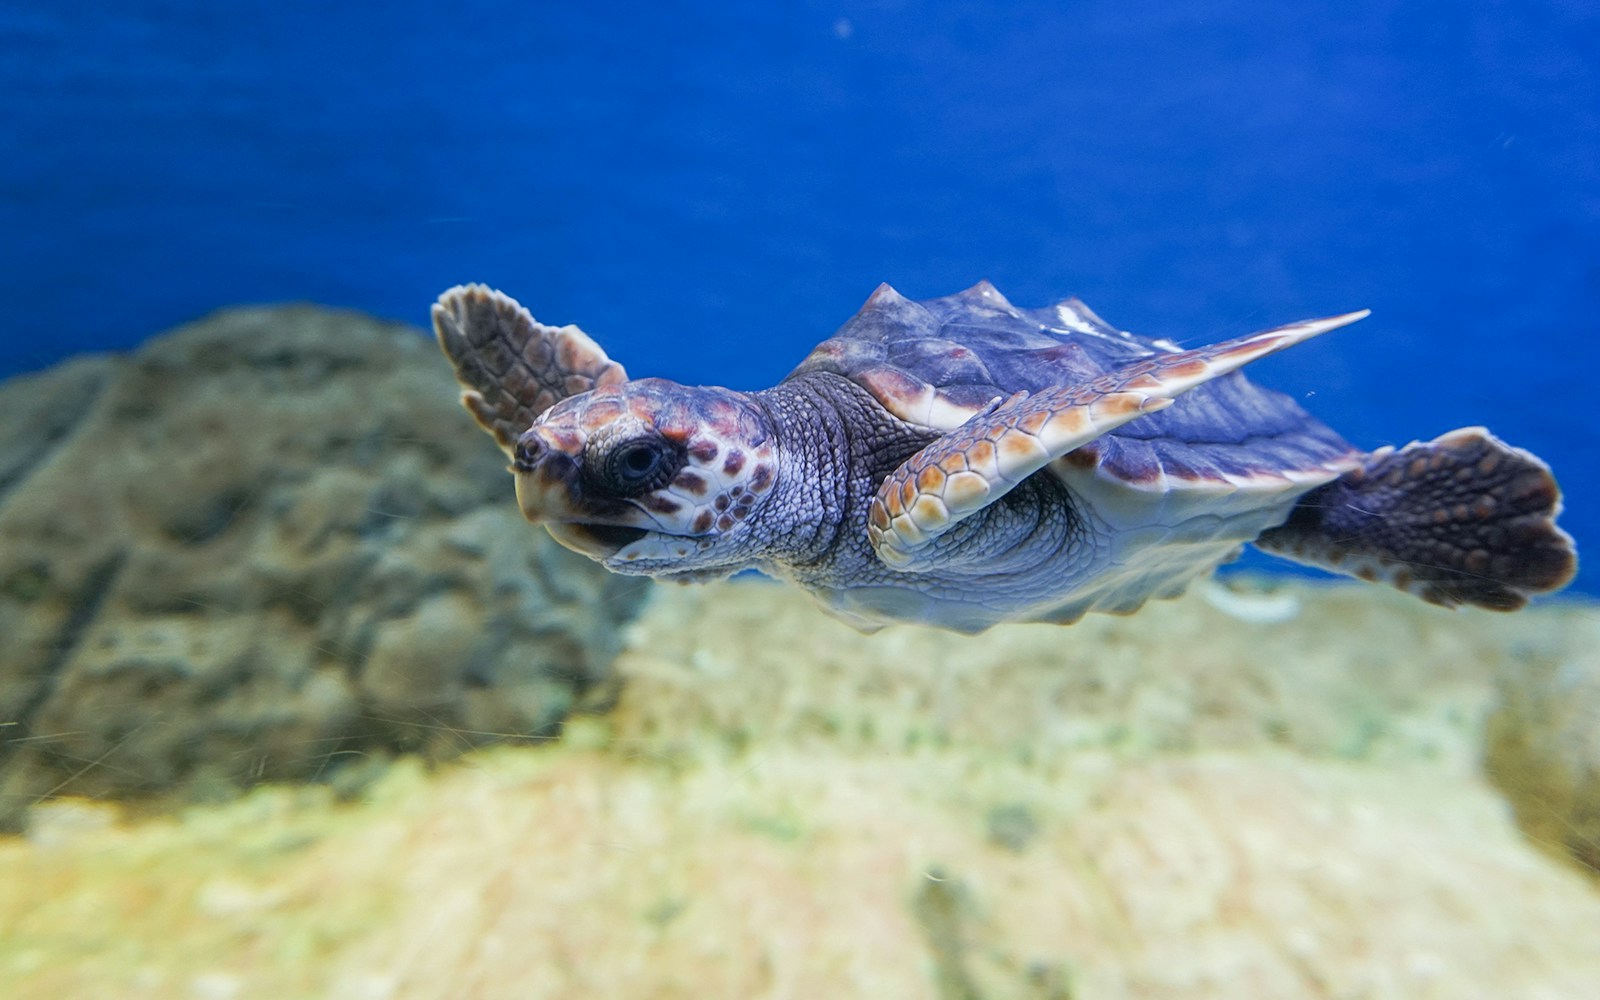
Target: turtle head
649 477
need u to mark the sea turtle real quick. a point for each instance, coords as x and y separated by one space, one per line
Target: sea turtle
961 462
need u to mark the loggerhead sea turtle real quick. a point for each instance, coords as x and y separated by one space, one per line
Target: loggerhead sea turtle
961 462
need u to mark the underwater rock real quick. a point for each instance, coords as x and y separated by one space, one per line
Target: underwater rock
1180 804
261 547
1543 744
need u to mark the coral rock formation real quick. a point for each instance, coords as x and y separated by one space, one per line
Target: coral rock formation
267 546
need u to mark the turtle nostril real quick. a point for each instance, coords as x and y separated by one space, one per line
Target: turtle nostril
529 449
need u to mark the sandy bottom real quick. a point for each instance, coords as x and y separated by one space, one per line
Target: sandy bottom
1233 795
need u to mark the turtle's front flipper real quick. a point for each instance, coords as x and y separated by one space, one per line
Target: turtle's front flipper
511 367
986 457
1462 519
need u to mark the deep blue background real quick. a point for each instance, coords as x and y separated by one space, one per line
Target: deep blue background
709 188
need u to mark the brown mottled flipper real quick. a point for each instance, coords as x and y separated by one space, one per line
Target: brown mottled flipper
1462 519
986 457
512 367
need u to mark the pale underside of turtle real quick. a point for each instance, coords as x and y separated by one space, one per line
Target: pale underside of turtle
960 462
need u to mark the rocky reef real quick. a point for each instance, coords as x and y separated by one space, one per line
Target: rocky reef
1186 803
267 547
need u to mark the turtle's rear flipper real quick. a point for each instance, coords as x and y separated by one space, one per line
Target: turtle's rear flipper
1462 519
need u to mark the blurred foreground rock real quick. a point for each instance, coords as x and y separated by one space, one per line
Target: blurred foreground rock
1544 741
265 547
1182 804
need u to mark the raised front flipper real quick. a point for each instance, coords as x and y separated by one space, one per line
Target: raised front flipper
986 457
513 368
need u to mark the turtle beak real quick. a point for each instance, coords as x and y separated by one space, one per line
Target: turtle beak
597 541
546 464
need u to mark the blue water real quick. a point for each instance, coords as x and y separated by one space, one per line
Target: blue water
710 188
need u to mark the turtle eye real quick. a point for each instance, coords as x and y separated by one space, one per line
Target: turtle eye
638 466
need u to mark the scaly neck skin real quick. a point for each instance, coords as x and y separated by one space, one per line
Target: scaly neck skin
836 444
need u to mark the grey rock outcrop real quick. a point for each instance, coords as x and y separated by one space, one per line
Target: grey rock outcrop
268 546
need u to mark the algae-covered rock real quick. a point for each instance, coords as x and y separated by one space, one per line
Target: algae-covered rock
262 547
1180 804
1543 748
